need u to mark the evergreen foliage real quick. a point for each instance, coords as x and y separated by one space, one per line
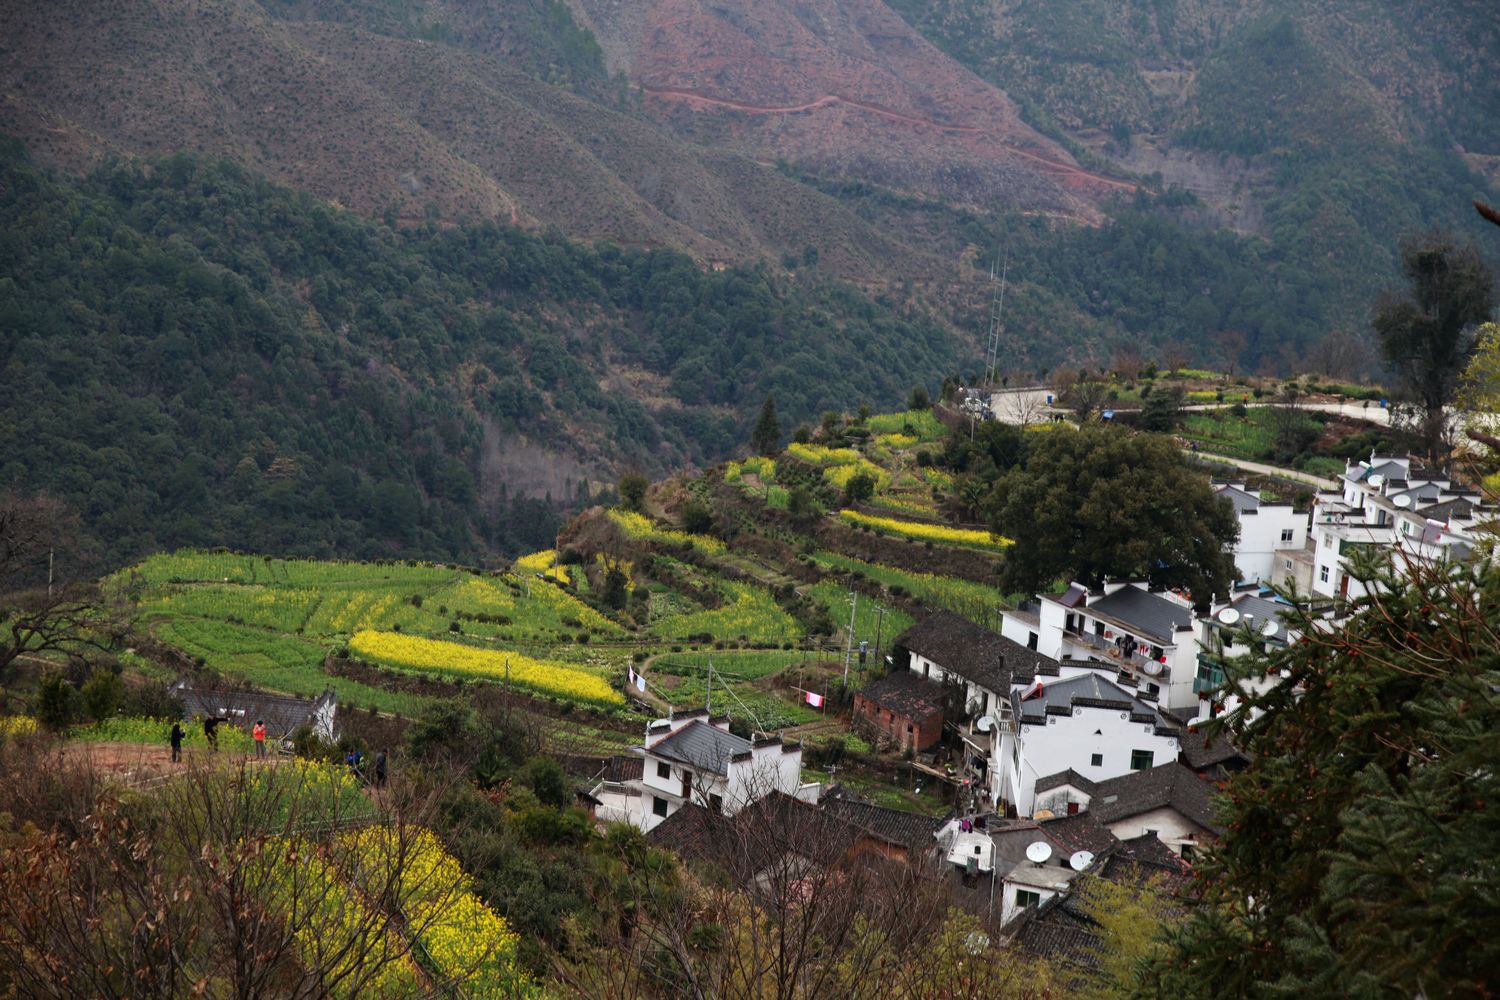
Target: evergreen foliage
1360 856
195 357
1100 502
766 438
1428 336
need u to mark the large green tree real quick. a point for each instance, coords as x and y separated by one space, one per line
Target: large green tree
1427 334
766 437
1103 502
1361 856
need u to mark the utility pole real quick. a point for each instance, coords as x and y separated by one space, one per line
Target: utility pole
50 553
849 646
708 699
879 621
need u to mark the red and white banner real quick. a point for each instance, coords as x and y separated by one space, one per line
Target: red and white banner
1032 691
815 700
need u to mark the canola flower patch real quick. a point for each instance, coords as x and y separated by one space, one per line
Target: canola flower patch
921 424
974 601
449 659
16 726
922 532
543 563
640 527
896 440
839 475
751 614
816 454
156 732
460 938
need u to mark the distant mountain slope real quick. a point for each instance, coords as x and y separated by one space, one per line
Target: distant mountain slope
194 356
847 89
1330 129
355 111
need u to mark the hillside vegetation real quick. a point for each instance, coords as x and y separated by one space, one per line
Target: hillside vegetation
198 357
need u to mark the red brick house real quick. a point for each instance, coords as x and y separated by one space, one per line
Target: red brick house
902 708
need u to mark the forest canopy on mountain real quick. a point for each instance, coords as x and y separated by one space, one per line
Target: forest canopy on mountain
195 356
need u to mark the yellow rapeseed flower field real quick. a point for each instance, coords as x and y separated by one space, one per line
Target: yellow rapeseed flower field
543 563
922 532
641 527
407 652
817 454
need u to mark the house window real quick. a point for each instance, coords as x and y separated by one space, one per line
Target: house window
1025 898
716 803
1097 760
1323 573
1187 852
1287 563
658 806
1031 640
1286 534
662 770
1141 760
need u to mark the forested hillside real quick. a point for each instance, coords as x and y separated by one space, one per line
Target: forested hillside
1327 132
195 356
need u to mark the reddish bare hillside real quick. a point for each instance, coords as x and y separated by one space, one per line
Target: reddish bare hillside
845 87
380 123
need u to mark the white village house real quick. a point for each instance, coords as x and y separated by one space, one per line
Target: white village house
693 757
1265 527
1082 721
1146 634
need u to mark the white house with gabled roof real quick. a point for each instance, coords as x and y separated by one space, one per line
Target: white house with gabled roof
1144 633
1265 526
693 757
1087 722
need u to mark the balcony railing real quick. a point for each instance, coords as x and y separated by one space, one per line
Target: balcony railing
1134 661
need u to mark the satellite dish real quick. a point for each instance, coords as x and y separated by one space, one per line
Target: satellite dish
1039 852
1403 501
1081 860
1229 616
1269 627
1151 668
1043 814
1376 479
984 723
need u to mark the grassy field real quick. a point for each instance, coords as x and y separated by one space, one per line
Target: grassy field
974 601
1253 436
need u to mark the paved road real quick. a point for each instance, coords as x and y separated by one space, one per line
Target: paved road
1028 406
1266 470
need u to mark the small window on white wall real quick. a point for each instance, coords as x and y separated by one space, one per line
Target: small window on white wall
1286 534
1025 898
1097 760
1323 573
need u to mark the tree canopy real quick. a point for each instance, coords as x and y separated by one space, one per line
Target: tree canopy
1102 502
1361 846
1427 335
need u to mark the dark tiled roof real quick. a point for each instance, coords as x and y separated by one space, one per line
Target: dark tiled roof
973 652
909 695
702 746
1149 850
1081 832
891 825
623 767
1068 777
1449 510
1242 500
1171 785
1060 932
1150 614
1202 750
1091 690
692 833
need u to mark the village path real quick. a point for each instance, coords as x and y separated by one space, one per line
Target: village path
1265 470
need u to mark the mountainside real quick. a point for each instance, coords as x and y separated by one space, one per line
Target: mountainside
355 109
1329 130
847 89
194 356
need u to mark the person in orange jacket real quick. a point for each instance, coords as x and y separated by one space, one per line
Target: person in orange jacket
259 733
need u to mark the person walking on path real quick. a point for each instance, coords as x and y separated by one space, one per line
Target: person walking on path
380 762
211 731
176 738
259 733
